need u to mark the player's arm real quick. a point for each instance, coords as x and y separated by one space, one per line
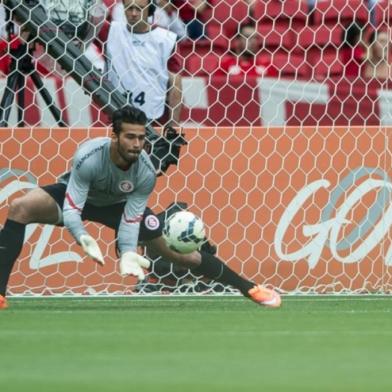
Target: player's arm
131 263
174 99
174 92
128 232
75 199
159 246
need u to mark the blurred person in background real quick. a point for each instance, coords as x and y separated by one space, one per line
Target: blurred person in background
9 33
194 13
251 7
79 20
378 62
142 63
4 58
247 58
2 21
353 49
371 4
166 15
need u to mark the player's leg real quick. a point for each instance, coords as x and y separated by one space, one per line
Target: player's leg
210 266
37 206
200 263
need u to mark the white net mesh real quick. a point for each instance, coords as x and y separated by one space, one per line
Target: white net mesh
286 107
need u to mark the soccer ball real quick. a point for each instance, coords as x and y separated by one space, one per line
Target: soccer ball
184 232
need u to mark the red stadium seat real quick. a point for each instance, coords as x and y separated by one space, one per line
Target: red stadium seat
291 65
277 35
218 37
278 21
322 35
202 65
217 44
334 11
274 9
229 14
383 13
325 63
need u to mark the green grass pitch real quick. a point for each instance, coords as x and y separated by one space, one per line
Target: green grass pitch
196 344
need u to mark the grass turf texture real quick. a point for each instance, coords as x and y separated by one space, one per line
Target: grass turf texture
196 344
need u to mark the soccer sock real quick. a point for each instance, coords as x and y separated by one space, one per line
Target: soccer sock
11 243
213 268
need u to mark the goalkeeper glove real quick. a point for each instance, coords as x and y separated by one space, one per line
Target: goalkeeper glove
91 248
132 263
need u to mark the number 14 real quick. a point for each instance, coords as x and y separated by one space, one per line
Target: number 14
140 98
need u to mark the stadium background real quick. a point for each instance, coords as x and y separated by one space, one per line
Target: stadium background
255 145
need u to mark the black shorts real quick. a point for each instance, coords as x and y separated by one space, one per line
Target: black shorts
109 216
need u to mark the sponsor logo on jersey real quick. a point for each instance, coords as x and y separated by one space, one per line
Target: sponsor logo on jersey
126 186
88 155
138 43
151 222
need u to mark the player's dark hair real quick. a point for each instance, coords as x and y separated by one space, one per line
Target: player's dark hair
151 7
127 114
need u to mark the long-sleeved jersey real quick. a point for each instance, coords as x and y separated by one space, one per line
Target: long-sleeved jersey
95 179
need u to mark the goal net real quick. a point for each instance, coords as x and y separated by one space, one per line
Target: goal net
286 107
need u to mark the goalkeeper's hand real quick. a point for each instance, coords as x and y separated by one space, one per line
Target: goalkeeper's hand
132 263
91 248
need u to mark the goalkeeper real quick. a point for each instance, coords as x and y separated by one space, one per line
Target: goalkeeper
110 182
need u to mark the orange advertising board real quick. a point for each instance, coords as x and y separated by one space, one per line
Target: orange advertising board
300 208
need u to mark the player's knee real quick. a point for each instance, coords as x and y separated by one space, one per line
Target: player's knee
19 211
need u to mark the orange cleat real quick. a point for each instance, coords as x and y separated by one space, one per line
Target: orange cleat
265 297
3 303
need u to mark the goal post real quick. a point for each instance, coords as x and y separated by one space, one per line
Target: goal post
289 170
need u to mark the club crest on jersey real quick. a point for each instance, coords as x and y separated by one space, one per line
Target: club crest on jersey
151 222
126 186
